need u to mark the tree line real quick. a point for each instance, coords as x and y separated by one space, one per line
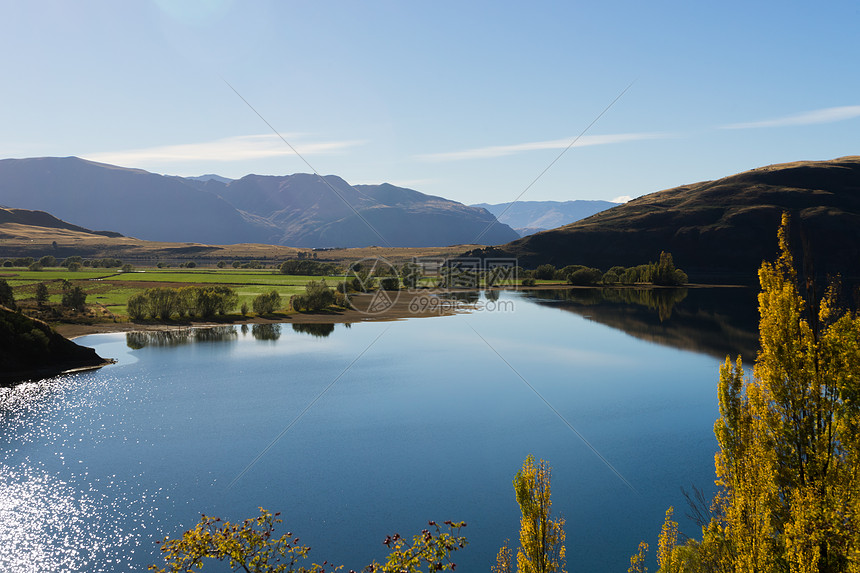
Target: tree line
163 303
661 272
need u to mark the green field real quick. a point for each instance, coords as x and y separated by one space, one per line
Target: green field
111 288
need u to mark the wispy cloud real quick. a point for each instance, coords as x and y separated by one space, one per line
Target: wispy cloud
503 150
239 148
825 115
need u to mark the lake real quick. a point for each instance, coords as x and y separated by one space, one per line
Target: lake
355 432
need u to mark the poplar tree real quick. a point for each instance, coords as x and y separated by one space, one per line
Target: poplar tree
542 537
788 465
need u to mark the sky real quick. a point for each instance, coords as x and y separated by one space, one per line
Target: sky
476 101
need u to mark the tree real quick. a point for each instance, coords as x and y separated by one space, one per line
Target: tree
585 276
545 272
637 561
74 297
137 306
7 298
48 261
252 546
317 297
541 548
664 273
41 293
267 302
789 438
410 273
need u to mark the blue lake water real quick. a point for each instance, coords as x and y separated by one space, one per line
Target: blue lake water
382 427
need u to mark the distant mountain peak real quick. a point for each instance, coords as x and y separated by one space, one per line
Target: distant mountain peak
301 210
210 177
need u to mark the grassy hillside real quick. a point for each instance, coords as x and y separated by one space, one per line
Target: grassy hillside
722 228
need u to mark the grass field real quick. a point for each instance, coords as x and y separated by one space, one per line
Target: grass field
112 289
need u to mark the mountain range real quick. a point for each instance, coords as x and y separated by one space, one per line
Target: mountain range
723 228
530 217
299 210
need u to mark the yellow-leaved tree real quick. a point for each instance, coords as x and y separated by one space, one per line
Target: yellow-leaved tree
788 467
541 548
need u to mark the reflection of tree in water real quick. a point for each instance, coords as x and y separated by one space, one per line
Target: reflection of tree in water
467 296
217 334
266 331
663 300
318 330
176 337
492 294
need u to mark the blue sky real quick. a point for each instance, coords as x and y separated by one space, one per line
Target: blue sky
470 101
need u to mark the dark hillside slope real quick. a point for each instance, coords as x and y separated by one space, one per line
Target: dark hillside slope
719 229
30 349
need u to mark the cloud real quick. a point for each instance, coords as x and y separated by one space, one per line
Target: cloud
239 148
503 150
826 115
622 199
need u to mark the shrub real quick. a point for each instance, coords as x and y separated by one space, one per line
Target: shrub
390 283
528 281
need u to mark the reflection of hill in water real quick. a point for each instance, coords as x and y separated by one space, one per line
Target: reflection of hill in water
715 321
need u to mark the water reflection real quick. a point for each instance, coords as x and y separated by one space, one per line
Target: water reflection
716 321
467 296
317 330
266 331
178 337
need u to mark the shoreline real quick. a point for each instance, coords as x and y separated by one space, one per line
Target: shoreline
401 309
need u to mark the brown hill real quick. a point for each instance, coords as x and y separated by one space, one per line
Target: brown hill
45 220
719 229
